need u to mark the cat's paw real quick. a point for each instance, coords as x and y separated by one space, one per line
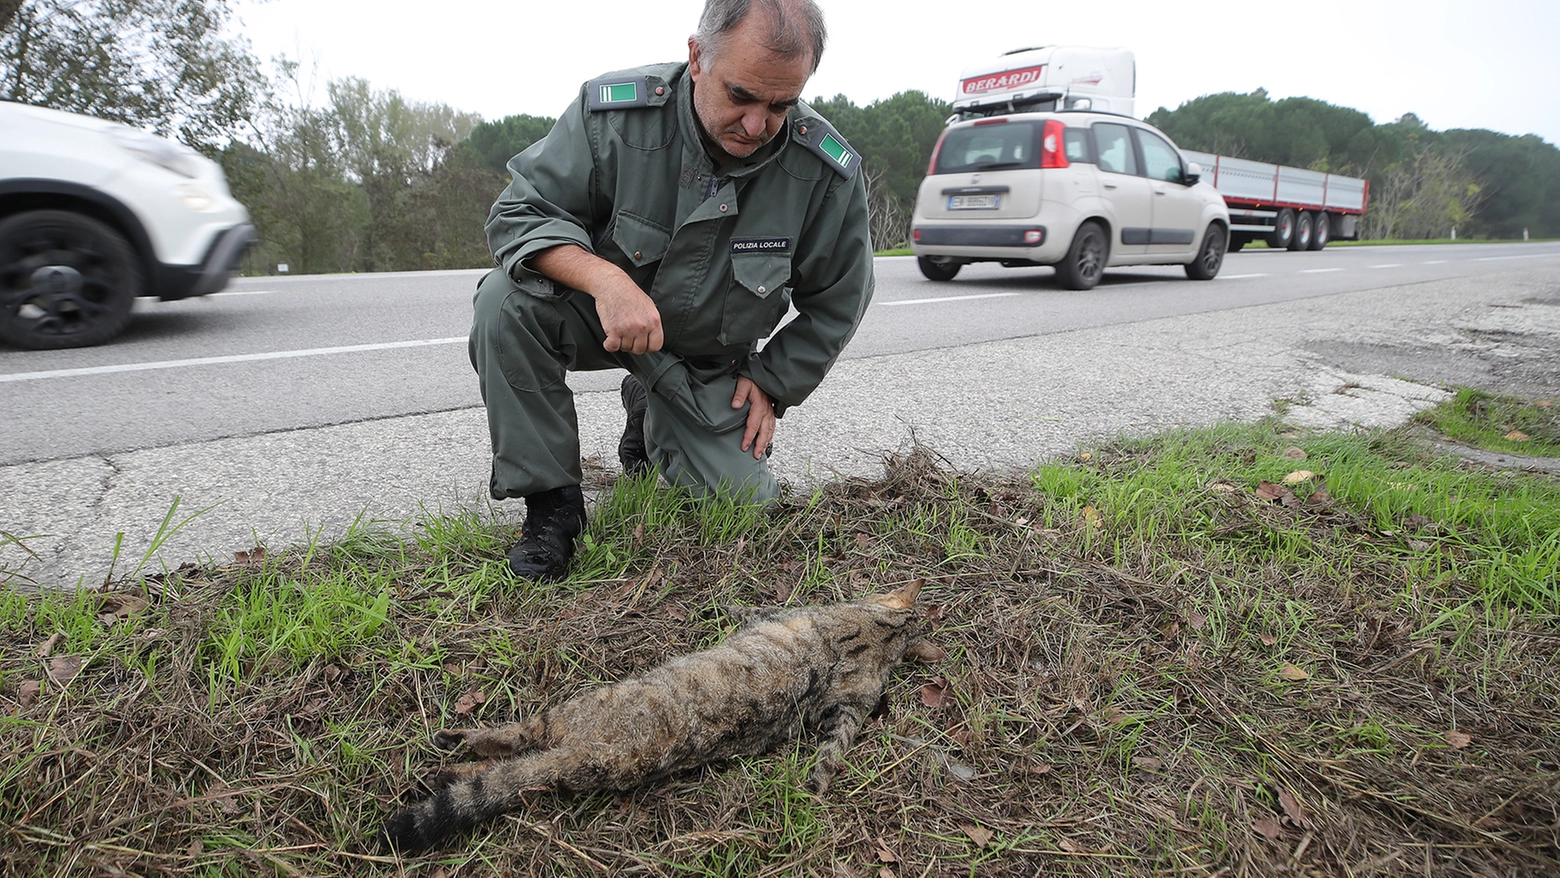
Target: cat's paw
819 780
449 739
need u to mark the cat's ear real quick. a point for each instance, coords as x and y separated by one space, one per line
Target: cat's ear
903 598
927 652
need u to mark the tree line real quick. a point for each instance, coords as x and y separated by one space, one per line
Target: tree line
354 178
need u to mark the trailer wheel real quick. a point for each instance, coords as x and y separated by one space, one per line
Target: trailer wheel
1321 231
1084 264
938 267
1303 229
1210 256
1283 230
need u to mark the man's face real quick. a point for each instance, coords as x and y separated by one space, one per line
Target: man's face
742 95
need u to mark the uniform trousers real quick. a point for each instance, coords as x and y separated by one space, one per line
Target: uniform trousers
523 346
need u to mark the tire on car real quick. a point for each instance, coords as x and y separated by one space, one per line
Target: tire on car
938 267
1084 264
1210 256
66 280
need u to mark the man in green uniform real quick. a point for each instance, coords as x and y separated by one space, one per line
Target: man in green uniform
664 227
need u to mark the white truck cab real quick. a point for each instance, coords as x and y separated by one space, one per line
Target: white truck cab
1049 78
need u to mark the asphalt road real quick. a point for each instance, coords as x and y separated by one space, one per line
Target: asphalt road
286 407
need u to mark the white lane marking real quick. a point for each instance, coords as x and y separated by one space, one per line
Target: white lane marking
1389 265
1238 276
1497 258
234 358
243 293
949 299
1435 262
1318 270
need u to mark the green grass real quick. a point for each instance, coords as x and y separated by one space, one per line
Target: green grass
1483 420
1155 660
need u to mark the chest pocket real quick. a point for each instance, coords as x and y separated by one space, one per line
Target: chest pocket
643 242
759 296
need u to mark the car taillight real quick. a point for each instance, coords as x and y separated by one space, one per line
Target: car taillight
932 165
1052 151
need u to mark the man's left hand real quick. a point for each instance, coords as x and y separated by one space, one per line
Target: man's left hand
761 417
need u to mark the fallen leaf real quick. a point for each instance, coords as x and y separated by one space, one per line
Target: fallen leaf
48 645
195 848
1197 620
28 692
1517 436
1091 516
1069 845
934 693
1037 770
1298 476
469 702
253 556
1292 808
1269 827
981 837
862 540
64 668
639 533
934 613
1021 521
1172 630
1267 639
886 872
1458 740
960 736
1319 497
1147 763
1085 456
1544 403
1295 453
1293 674
961 771
884 853
1270 491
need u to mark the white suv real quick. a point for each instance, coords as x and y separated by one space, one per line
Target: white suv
94 214
1077 190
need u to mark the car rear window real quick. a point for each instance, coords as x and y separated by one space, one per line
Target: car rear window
997 146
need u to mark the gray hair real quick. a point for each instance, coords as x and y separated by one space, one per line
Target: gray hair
795 26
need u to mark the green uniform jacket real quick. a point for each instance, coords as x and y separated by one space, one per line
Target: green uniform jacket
721 257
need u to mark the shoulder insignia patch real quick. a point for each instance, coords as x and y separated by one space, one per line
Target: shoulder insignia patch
827 143
626 92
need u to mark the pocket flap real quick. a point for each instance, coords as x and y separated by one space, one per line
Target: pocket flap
761 273
641 240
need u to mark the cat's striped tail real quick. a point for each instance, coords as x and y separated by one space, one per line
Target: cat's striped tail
467 801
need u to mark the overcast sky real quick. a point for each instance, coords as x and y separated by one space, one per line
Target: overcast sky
1490 64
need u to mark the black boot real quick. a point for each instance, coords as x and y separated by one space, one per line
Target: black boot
631 448
552 520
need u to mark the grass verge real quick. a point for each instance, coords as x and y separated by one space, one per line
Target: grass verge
1221 652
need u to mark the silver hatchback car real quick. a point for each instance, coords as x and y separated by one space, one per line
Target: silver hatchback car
1081 191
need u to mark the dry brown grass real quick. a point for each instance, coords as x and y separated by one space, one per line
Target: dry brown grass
1097 714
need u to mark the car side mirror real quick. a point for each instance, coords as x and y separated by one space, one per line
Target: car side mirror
1193 174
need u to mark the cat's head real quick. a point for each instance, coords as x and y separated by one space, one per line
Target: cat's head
902 600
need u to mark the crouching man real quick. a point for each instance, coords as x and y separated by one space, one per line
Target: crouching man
664 227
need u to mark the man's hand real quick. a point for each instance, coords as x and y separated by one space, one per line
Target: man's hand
630 318
632 322
761 417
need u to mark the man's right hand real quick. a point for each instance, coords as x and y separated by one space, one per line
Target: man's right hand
632 322
629 316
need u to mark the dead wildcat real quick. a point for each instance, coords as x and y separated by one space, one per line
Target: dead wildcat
785 670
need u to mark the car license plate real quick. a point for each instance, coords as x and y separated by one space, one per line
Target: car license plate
974 202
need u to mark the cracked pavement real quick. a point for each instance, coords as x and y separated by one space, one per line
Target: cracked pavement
1369 358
